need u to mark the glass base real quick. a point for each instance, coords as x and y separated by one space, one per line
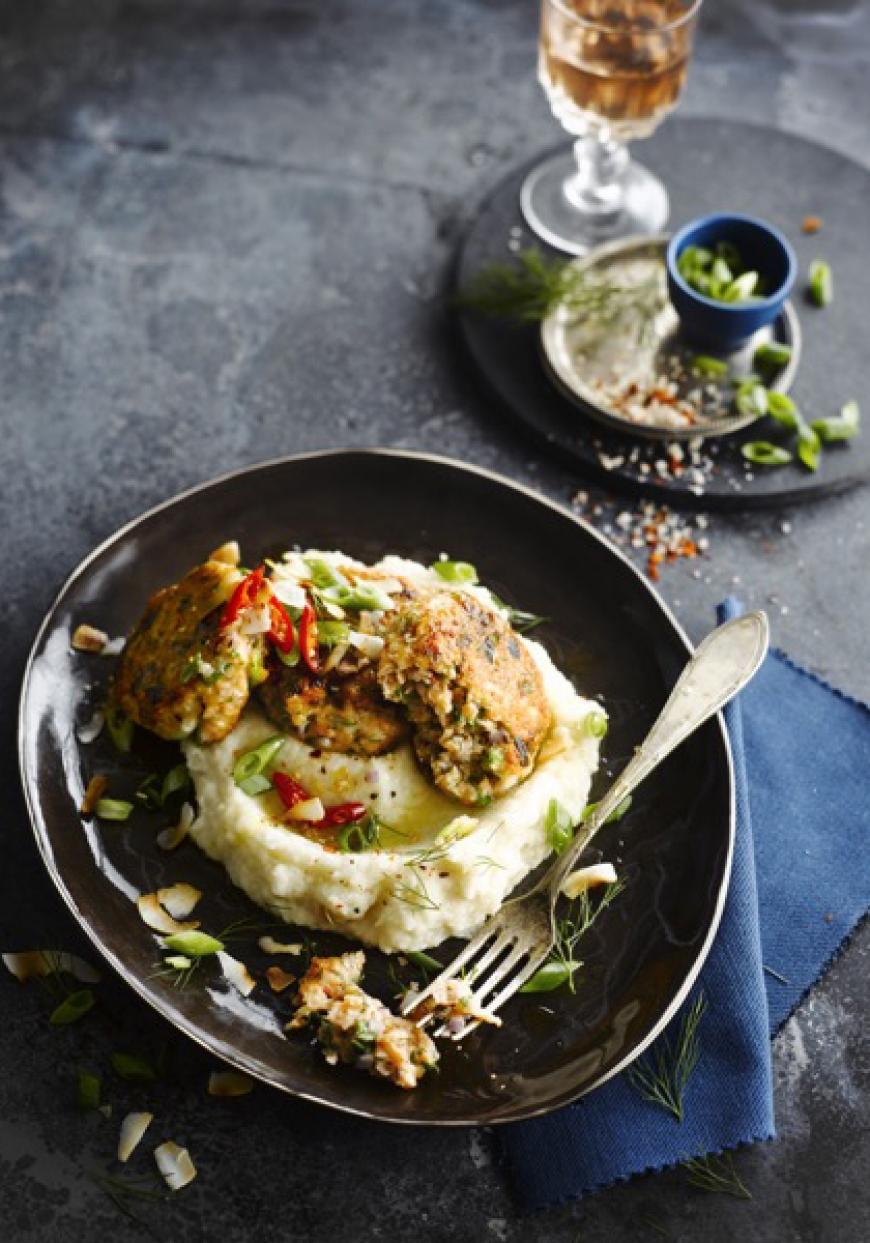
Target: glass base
644 206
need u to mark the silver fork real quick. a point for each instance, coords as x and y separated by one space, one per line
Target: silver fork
515 942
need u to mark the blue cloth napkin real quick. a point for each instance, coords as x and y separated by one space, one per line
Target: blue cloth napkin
801 758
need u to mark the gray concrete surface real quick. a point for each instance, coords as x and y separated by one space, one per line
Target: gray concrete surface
225 230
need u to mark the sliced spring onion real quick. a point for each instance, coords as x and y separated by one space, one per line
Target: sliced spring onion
847 425
120 728
704 364
821 288
324 575
809 446
596 724
551 976
615 815
193 944
254 762
362 835
558 826
364 597
88 1088
133 1068
257 671
291 658
178 962
424 961
112 809
772 354
455 571
783 409
258 784
751 398
741 288
763 453
176 781
332 633
72 1008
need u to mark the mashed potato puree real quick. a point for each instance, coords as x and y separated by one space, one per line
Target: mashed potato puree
421 887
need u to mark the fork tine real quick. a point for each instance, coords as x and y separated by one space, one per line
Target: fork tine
507 964
516 982
453 968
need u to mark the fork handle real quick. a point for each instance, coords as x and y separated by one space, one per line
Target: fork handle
722 665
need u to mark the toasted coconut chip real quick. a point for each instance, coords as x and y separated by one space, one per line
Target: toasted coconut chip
160 920
237 973
278 979
587 878
229 1083
35 964
133 1128
169 839
370 645
289 592
270 946
179 900
309 809
90 730
87 638
175 1164
229 553
115 646
97 787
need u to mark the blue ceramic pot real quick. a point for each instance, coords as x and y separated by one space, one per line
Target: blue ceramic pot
726 326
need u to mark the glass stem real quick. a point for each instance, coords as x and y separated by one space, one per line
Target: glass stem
596 188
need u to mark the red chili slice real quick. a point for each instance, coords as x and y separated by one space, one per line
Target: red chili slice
281 632
308 637
243 596
344 813
290 791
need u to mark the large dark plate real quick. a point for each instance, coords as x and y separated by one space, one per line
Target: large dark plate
609 631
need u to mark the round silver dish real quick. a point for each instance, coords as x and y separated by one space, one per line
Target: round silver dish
586 358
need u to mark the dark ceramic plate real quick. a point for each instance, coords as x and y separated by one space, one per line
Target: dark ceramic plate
608 630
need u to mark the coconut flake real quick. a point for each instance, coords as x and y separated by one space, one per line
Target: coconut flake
270 946
228 553
170 838
179 899
175 1164
256 620
91 729
229 1083
309 809
36 964
87 638
133 1128
160 920
289 592
588 878
370 645
115 646
278 979
237 973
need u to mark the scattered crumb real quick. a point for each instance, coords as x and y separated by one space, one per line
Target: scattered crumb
811 224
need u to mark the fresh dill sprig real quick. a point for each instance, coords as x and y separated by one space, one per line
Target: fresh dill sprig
661 1075
534 286
414 892
124 1191
572 929
716 1174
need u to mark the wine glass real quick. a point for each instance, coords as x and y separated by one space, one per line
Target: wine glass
611 70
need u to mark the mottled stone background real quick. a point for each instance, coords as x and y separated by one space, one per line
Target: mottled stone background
225 230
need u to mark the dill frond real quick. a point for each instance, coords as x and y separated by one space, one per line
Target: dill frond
531 288
717 1174
661 1075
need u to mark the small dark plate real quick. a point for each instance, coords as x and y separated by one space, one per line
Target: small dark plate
608 631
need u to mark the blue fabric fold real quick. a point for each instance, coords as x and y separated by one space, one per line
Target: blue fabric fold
801 756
